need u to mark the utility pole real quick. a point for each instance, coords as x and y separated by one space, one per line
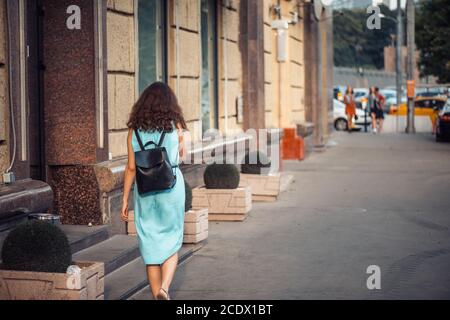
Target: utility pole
399 58
410 16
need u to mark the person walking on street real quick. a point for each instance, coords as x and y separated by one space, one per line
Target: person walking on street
372 107
350 107
376 103
159 215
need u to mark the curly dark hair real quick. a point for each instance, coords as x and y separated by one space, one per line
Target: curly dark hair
157 109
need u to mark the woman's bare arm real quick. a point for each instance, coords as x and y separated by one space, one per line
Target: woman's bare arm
130 174
182 146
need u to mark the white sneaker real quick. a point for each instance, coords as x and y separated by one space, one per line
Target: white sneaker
374 130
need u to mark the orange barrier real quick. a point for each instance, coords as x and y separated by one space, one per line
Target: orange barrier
292 146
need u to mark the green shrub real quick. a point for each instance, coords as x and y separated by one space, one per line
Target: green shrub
36 246
221 176
250 167
188 191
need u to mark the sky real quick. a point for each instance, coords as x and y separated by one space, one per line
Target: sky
392 4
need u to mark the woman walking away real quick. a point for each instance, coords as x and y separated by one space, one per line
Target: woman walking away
373 108
157 121
376 110
350 107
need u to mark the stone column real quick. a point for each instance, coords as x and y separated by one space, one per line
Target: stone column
319 73
310 55
72 110
252 51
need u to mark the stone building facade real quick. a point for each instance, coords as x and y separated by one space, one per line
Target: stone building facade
284 81
78 66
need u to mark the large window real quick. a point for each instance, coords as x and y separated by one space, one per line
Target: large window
209 64
152 57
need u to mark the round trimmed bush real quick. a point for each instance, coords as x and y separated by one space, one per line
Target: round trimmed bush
262 161
221 176
36 246
188 191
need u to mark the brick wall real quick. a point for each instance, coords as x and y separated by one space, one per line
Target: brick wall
284 82
4 127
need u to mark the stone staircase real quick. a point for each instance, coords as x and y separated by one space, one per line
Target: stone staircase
125 272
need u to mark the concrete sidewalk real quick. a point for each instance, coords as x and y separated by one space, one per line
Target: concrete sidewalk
369 200
394 124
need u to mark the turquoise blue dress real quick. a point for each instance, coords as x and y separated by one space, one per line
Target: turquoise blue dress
159 217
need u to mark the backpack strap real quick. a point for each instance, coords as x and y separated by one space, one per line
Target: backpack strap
142 146
138 137
161 140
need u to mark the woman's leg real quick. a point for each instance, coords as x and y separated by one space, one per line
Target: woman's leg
168 271
349 122
154 275
374 121
381 124
433 125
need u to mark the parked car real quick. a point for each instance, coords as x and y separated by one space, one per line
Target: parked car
443 124
361 95
390 96
388 93
432 92
392 102
339 92
340 118
422 107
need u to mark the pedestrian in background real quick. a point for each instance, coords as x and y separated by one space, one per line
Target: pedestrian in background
159 216
350 107
372 107
376 109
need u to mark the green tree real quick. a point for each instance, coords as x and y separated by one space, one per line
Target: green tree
432 38
355 45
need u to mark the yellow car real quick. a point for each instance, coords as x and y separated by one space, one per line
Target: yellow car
426 106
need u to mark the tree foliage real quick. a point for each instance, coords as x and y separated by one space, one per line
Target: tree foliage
432 38
357 46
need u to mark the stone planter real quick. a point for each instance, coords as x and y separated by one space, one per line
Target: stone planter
195 226
25 285
265 188
223 204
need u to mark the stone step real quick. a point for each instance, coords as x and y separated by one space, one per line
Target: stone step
83 237
12 221
126 281
115 252
80 237
22 197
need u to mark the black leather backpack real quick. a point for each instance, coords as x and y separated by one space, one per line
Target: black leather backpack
154 173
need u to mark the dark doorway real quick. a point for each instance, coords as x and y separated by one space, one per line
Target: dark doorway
152 42
33 12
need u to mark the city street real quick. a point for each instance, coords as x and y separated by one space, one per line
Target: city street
367 200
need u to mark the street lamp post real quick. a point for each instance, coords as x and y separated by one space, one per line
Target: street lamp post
410 14
399 58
